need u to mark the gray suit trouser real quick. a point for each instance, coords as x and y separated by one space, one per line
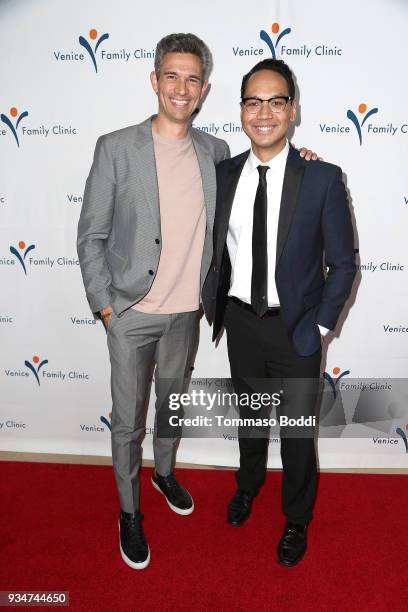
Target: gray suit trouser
137 342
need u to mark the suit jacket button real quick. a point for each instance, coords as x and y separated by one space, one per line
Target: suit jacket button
151 272
157 241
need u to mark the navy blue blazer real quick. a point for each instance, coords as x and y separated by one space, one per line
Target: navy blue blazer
315 265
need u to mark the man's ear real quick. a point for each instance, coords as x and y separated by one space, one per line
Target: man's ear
153 80
204 88
293 111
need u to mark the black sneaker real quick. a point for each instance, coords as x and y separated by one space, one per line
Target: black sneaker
177 497
132 542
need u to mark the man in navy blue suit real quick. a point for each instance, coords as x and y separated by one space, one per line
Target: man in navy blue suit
282 271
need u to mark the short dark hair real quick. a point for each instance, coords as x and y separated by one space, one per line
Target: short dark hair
184 43
275 65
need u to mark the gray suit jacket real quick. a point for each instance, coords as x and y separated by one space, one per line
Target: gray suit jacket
119 238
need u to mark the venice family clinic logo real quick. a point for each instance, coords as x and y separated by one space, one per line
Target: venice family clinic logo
7 121
93 35
362 109
334 382
273 46
21 253
107 422
403 435
35 366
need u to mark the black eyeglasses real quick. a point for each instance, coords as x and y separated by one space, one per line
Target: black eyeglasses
277 104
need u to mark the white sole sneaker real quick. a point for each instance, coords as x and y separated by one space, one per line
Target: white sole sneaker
129 562
174 508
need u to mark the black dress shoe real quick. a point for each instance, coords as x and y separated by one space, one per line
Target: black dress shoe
292 545
134 548
239 508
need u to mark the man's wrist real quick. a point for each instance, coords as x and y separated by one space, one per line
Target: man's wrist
105 312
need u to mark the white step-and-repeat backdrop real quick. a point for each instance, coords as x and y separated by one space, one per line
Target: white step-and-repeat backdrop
71 71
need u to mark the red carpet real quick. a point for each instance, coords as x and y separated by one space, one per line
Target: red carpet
59 532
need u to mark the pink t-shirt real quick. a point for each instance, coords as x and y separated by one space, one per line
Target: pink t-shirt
176 287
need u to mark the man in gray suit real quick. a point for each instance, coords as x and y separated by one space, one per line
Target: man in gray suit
145 248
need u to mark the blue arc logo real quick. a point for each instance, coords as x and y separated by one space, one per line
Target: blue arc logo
35 367
273 46
7 121
334 382
93 35
362 109
402 433
107 422
21 253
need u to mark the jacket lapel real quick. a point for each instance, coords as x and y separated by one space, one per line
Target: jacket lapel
227 186
145 167
290 193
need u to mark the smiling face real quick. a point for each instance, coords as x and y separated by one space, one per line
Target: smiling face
267 130
179 87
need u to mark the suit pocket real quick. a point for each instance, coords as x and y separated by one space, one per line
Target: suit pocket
313 298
